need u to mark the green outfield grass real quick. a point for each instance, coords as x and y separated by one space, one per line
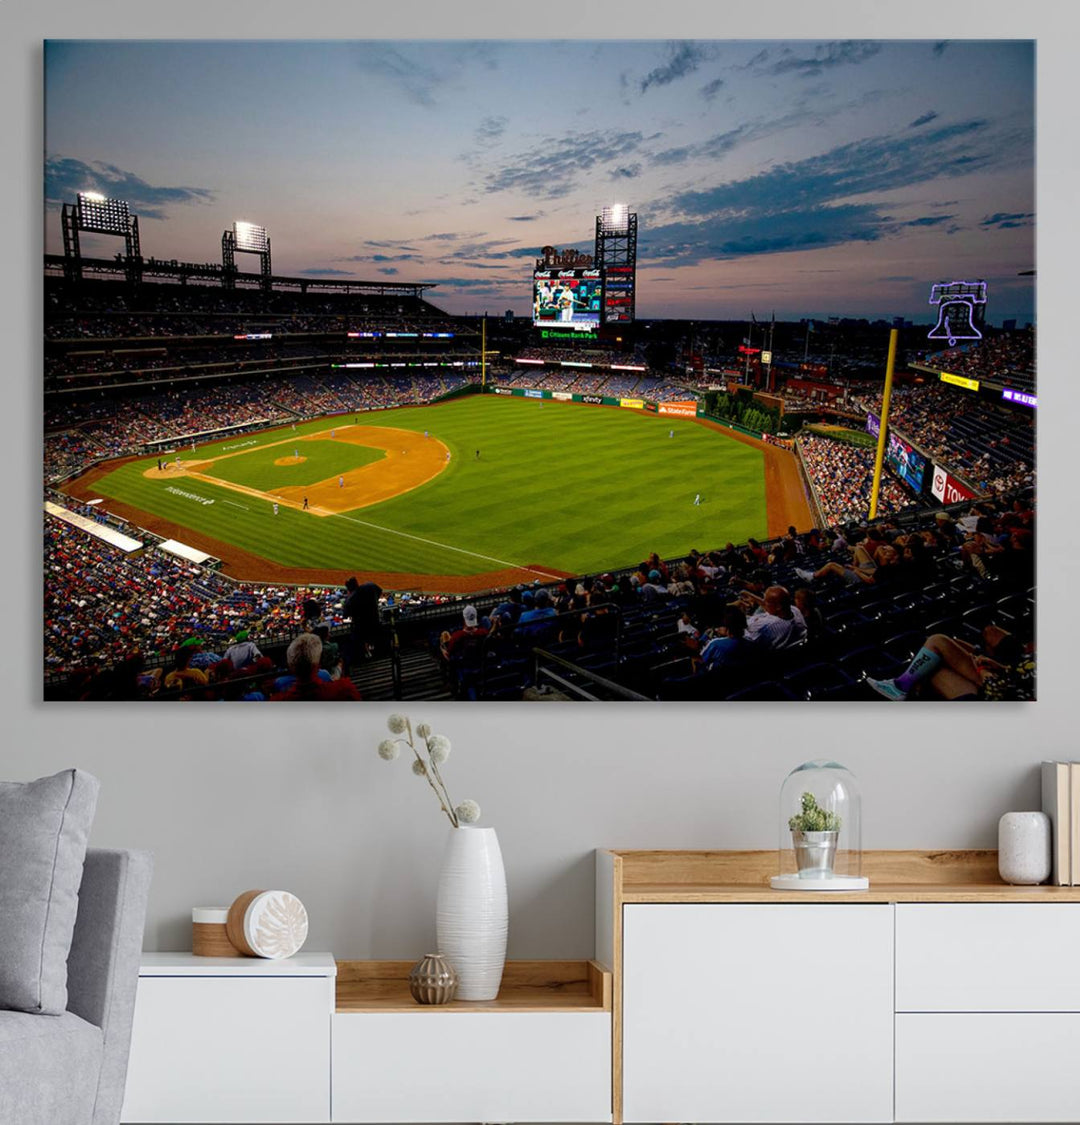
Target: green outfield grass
562 485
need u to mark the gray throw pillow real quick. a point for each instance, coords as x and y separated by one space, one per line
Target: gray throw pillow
44 826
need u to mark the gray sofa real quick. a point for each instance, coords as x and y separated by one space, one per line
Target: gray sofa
70 1069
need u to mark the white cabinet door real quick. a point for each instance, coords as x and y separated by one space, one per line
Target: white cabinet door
988 957
230 1049
472 1066
985 1066
758 1013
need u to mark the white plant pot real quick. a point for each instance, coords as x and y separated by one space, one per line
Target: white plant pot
470 913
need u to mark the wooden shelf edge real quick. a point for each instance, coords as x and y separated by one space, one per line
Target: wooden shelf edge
527 986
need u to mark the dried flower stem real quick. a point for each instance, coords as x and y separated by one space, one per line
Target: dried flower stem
434 767
444 798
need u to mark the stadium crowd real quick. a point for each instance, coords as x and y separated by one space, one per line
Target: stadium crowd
1008 359
843 475
990 446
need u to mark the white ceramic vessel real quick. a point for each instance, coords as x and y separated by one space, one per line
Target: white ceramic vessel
470 914
1024 855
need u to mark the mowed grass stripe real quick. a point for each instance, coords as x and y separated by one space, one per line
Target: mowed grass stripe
564 485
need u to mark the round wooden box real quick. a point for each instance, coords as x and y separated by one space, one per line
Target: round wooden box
271 924
209 936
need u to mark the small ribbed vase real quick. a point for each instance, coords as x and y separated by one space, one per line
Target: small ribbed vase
433 980
470 913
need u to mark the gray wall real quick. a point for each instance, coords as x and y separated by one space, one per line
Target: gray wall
234 797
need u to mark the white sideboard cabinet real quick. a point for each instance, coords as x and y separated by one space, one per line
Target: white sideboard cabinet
938 995
752 1013
231 1039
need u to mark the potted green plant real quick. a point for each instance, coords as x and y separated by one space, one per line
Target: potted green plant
814 835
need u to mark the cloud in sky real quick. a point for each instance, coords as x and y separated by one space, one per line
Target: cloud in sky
382 258
710 90
1005 221
490 130
626 172
684 58
313 272
525 218
553 168
801 205
65 176
940 47
923 119
826 56
390 270
415 73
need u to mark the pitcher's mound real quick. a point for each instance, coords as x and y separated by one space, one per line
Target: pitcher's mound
290 460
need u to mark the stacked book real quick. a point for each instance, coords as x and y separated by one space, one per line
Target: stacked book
1061 803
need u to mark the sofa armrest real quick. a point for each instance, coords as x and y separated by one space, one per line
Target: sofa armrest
103 966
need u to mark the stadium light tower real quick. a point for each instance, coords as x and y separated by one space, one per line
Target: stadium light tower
616 255
97 214
246 238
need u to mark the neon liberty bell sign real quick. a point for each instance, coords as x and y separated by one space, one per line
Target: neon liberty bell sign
956 301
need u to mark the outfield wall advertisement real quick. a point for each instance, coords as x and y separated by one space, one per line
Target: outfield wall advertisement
680 409
632 403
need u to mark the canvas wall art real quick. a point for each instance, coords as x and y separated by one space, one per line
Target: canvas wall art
525 371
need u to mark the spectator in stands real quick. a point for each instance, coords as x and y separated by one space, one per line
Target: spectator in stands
509 612
303 657
726 645
362 608
533 621
470 633
182 675
776 623
949 668
243 654
806 603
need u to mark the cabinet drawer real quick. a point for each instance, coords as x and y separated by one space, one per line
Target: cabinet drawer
472 1066
235 1049
985 1067
757 1013
988 957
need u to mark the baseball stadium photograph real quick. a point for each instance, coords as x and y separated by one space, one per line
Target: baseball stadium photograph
574 370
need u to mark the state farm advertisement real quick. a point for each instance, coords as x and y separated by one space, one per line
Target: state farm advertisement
948 489
682 409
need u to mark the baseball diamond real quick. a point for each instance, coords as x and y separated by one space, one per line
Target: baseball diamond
423 513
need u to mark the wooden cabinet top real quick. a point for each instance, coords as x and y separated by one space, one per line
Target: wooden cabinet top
743 876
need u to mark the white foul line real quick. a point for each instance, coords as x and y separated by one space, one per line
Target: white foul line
240 506
445 546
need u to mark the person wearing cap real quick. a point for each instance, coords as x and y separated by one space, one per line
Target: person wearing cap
653 589
243 651
509 611
468 635
534 620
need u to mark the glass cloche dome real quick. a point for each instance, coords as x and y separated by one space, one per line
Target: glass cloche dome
820 830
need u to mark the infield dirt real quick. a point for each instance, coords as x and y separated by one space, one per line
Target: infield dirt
409 460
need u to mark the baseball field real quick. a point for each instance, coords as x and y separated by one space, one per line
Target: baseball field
459 496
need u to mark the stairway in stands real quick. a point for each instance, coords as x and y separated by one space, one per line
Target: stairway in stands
420 677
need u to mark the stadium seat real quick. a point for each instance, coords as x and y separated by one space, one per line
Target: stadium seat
765 691
809 682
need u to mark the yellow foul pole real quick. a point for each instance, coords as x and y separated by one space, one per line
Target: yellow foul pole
879 460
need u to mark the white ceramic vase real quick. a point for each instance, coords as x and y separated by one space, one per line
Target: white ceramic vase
470 914
1024 840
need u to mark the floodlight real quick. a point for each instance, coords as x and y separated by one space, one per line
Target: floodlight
615 217
102 215
250 237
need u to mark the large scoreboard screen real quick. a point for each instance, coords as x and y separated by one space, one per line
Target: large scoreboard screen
568 299
908 465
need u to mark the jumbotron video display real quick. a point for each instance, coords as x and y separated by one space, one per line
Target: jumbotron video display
908 465
569 298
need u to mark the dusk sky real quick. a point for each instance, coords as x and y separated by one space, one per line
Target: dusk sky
809 178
